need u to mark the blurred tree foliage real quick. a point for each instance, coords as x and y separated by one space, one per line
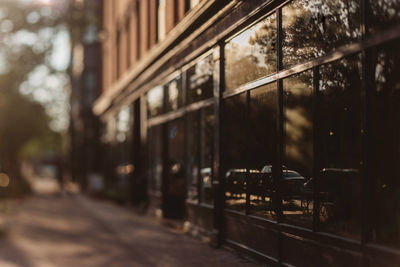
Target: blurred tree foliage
27 29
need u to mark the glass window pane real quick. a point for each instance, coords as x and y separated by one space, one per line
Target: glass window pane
193 139
124 124
233 151
155 101
297 197
207 150
384 14
155 158
262 147
175 190
384 123
200 84
340 147
314 28
252 54
175 96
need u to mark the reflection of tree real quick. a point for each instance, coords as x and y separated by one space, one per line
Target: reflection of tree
384 14
313 28
252 54
262 126
174 94
299 123
200 80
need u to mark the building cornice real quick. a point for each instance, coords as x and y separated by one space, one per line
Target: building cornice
105 100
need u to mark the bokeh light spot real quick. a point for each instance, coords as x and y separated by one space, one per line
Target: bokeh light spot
4 179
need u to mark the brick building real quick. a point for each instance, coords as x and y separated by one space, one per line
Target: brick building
269 126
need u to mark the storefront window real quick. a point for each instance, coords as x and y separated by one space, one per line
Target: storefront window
234 151
297 172
155 158
314 28
385 144
200 84
207 151
252 54
175 190
192 170
155 101
340 147
174 94
262 147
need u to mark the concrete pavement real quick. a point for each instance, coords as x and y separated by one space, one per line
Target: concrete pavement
73 230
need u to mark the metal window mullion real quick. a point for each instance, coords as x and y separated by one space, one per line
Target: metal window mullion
278 172
316 147
200 136
366 179
246 154
218 180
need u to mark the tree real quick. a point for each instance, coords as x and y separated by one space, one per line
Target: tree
26 45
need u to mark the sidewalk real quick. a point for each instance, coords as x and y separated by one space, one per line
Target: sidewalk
73 230
155 244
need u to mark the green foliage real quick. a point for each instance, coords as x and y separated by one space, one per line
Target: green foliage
20 118
24 124
49 143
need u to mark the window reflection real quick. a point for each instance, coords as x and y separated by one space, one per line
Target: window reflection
313 28
155 158
175 173
262 147
200 80
251 54
340 147
155 101
385 149
192 171
124 123
175 96
384 13
297 197
233 150
207 149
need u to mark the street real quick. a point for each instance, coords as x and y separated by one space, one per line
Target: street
54 229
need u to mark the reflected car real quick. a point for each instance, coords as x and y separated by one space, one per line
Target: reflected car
236 181
292 184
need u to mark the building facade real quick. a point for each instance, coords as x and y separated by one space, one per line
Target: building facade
270 126
86 84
